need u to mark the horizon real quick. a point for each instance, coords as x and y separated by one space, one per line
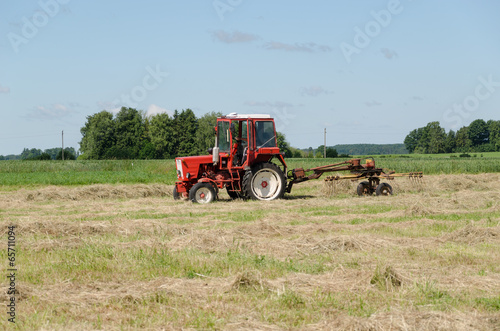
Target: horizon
369 72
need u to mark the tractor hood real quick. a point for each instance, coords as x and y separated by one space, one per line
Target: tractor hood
189 166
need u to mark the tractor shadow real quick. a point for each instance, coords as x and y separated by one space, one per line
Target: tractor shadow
286 197
298 197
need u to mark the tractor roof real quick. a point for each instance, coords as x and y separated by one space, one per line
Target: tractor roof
243 116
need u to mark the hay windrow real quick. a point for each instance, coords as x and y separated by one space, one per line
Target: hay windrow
249 280
471 234
99 191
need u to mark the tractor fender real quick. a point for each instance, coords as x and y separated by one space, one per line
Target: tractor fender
211 181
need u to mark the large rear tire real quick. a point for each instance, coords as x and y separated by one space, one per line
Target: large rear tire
265 181
202 193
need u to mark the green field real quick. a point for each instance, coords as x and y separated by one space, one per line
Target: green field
32 173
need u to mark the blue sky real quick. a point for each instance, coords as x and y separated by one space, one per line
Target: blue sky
367 71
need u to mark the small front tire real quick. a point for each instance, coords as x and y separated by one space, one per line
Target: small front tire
175 194
202 193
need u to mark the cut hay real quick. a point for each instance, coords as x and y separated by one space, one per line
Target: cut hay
473 235
386 278
249 280
347 243
99 191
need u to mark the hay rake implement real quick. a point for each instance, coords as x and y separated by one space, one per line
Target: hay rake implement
367 172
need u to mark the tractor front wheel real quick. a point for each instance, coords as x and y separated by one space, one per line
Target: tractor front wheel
176 194
265 181
202 193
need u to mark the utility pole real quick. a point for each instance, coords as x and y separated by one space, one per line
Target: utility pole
62 137
324 146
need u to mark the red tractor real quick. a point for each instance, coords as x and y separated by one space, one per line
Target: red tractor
241 162
245 145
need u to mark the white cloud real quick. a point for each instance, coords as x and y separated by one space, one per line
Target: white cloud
154 110
309 47
373 103
276 104
4 89
234 37
52 112
314 91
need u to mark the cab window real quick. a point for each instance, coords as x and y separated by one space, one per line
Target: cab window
264 134
223 136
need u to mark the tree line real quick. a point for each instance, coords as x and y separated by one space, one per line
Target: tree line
131 134
371 149
478 136
48 154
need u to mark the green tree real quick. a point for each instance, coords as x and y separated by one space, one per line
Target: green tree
494 129
412 140
450 142
69 154
30 153
296 153
436 137
320 150
283 145
462 140
205 135
161 134
331 152
185 127
478 132
98 135
129 133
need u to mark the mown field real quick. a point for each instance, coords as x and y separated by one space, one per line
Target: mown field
102 245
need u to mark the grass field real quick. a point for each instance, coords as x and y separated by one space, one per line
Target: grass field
39 173
95 255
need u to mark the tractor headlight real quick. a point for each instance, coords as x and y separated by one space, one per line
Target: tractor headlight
178 164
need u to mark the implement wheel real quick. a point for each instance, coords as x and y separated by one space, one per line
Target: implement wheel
364 188
383 189
265 181
202 193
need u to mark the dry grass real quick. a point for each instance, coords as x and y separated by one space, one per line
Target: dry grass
129 257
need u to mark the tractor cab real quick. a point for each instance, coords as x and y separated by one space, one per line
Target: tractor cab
242 140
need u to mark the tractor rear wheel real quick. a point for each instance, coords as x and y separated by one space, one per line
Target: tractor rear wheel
265 181
384 189
364 189
202 193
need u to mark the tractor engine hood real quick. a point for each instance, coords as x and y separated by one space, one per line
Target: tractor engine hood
189 166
